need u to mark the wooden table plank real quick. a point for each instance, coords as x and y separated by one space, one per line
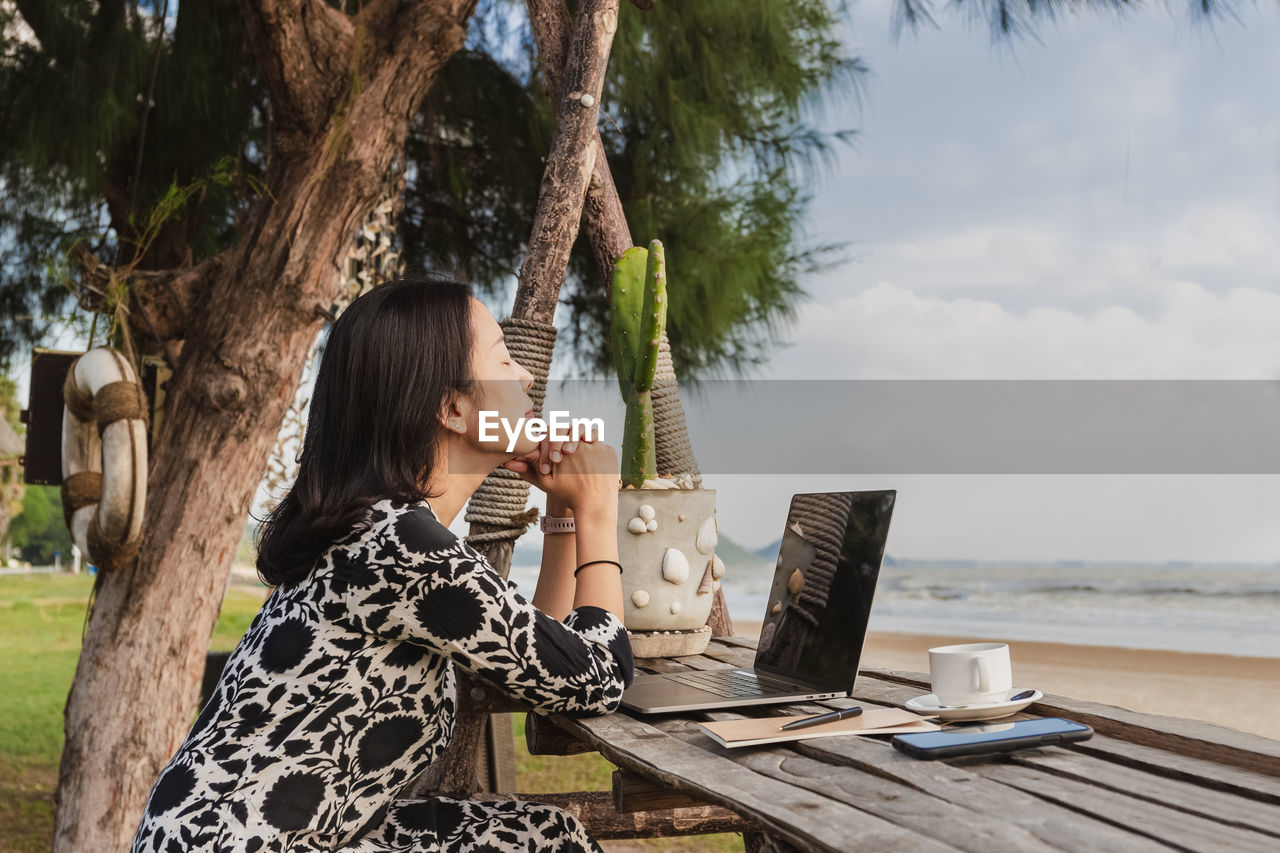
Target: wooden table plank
963 786
1211 790
739 642
875 760
904 804
1198 771
1168 825
1187 797
734 655
809 820
1038 823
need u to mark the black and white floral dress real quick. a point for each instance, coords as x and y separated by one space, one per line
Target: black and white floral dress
342 691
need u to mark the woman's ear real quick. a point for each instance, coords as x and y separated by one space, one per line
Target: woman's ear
453 417
458 410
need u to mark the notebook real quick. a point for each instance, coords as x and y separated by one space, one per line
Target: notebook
815 619
753 732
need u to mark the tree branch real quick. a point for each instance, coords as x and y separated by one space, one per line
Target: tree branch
305 47
607 229
396 25
605 220
571 161
162 299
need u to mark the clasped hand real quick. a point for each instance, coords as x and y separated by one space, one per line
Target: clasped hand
578 473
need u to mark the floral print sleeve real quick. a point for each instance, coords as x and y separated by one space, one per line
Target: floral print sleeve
417 582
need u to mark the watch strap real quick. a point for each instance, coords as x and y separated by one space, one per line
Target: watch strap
550 524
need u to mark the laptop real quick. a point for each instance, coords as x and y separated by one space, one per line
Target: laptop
815 620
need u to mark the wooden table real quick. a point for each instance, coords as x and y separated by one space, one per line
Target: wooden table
1143 782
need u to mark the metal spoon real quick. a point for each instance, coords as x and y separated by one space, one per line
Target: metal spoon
1026 694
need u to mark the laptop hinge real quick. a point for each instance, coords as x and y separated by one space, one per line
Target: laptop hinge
824 685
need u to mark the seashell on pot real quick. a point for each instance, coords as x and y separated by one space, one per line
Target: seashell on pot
675 566
707 538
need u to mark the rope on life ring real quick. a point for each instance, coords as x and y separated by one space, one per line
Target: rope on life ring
104 457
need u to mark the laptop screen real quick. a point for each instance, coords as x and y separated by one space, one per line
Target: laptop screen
820 602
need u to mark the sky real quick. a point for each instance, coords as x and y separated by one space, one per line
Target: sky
1101 204
1105 205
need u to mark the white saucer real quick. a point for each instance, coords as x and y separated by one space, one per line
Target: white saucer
928 704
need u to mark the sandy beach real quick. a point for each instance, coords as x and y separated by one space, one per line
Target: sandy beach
1238 692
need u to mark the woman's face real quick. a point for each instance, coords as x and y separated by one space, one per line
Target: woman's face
502 386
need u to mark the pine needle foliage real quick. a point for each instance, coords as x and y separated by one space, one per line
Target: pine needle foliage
79 82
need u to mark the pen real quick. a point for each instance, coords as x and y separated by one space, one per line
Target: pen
822 718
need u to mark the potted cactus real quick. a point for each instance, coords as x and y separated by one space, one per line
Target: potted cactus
666 526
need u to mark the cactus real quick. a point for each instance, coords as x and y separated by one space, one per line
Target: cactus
639 317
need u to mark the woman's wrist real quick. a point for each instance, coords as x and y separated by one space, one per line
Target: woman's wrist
603 510
557 508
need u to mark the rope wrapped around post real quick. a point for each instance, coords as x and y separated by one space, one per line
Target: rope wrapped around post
502 497
674 454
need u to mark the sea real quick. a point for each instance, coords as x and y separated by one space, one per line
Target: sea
1231 609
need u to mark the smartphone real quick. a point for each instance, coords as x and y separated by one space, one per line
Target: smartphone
982 738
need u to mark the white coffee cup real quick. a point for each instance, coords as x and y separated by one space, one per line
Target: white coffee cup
970 673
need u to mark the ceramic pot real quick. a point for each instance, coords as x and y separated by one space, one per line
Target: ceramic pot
666 542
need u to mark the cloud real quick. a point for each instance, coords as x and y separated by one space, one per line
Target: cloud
890 332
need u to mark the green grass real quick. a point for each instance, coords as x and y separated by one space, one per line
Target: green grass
41 620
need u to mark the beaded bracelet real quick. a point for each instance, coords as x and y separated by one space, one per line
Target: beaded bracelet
589 562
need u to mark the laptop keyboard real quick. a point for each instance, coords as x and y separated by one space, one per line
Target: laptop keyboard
736 684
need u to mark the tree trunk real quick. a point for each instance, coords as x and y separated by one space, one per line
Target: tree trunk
138 678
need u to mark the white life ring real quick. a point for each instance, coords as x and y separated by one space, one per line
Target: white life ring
104 457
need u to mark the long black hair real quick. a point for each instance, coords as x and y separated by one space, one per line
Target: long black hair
390 363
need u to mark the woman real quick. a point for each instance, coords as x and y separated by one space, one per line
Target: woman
343 688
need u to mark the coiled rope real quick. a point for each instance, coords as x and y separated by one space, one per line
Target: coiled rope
673 451
500 501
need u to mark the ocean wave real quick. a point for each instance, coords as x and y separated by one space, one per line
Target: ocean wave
1219 611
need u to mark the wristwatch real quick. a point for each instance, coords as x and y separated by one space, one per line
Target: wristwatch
548 524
